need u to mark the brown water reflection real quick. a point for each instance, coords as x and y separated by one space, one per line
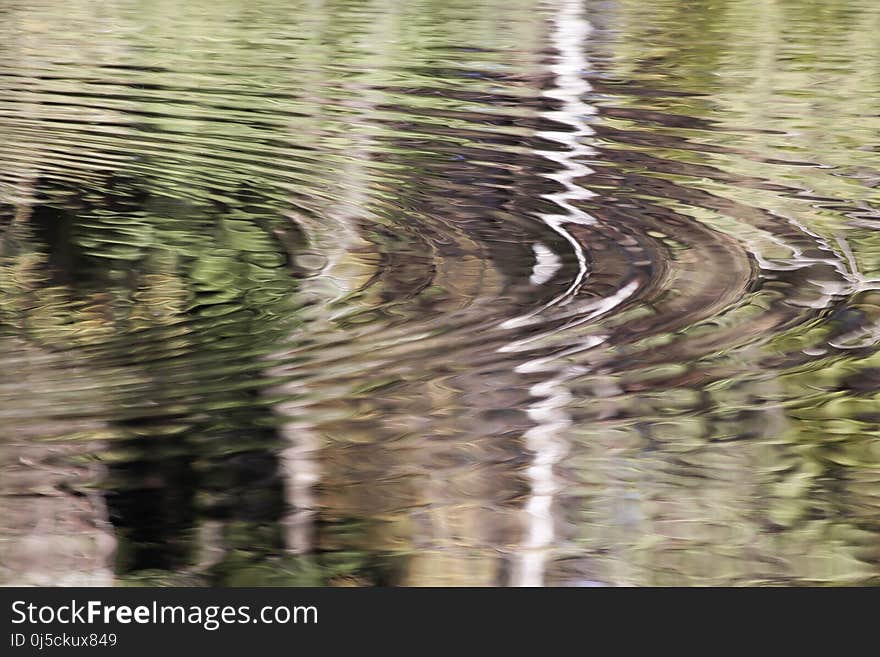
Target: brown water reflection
440 293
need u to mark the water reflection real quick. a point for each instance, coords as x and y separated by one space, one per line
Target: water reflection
489 293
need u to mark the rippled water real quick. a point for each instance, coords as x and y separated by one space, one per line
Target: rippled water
485 292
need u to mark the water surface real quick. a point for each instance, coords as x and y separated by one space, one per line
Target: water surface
484 292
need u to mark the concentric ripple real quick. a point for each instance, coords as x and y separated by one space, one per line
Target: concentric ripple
367 292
